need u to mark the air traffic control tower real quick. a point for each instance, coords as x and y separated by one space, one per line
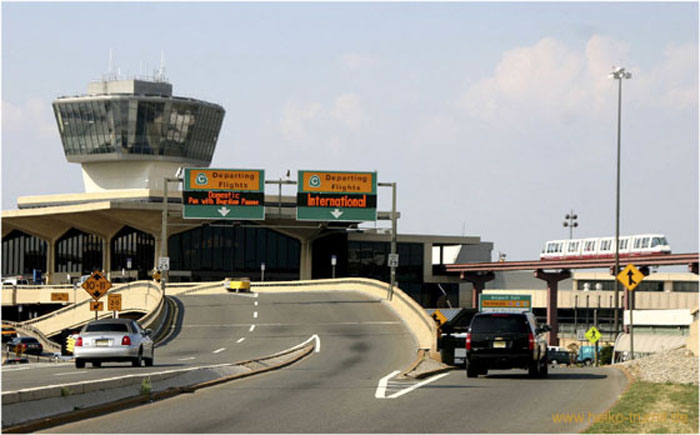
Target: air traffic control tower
129 134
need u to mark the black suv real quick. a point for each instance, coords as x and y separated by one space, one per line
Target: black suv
506 341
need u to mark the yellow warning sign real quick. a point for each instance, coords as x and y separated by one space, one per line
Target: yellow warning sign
97 285
439 318
593 334
114 302
630 277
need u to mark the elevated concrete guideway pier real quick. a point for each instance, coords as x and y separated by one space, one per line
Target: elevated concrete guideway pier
480 273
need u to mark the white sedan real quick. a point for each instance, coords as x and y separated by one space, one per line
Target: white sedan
113 340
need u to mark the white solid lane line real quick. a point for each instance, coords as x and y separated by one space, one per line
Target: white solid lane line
77 372
240 340
221 349
381 387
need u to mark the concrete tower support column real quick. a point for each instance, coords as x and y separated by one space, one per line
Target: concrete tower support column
478 280
552 279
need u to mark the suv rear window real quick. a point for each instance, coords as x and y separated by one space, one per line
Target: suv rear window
498 323
107 327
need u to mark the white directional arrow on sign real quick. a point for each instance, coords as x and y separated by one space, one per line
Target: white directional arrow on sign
223 211
336 213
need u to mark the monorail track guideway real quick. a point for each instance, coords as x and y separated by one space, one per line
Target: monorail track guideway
480 273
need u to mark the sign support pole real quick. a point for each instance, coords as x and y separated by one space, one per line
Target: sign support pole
164 230
631 331
393 235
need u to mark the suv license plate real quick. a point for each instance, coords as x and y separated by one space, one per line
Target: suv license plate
499 344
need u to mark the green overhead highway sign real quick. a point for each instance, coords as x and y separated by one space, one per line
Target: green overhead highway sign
224 194
337 196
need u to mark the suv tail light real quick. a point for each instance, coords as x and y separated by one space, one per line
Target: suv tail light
469 341
126 341
78 342
531 341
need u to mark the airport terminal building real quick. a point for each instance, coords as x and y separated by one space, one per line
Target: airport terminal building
129 136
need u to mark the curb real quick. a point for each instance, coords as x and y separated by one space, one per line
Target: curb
630 380
414 372
138 398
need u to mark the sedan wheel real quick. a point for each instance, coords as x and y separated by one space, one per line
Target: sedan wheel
138 361
97 364
149 361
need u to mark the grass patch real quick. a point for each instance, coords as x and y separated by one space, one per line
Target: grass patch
647 407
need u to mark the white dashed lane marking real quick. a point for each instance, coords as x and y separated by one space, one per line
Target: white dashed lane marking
240 340
221 349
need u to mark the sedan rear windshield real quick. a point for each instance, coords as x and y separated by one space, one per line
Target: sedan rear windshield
107 327
499 324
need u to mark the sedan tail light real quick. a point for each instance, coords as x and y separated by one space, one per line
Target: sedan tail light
78 342
531 341
126 341
469 341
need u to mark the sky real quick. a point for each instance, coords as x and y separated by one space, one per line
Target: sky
495 119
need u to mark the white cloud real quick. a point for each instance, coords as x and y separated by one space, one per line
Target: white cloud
315 122
673 83
551 81
34 117
295 119
357 61
348 109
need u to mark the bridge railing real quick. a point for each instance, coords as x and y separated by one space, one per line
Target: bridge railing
421 326
138 296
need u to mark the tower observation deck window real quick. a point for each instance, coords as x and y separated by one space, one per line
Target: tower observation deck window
138 126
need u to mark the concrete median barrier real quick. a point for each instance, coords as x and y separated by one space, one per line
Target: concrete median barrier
34 409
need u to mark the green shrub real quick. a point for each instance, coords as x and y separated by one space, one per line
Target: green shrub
605 355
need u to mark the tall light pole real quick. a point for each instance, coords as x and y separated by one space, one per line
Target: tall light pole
571 223
618 74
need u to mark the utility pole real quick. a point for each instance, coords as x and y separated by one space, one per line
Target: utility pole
618 74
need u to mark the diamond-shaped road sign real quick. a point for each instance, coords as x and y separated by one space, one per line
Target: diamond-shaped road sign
593 334
97 285
439 318
630 277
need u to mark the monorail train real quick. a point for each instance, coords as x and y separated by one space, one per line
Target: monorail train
602 247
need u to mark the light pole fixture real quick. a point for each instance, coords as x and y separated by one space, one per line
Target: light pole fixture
571 223
618 74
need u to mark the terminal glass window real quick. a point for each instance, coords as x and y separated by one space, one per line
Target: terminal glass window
78 252
216 252
685 286
370 260
132 249
22 253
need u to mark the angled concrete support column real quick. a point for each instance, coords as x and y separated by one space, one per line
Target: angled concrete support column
478 280
305 260
552 279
